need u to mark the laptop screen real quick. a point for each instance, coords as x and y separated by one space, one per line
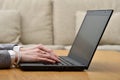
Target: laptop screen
89 35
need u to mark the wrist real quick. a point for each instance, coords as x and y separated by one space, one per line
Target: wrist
18 54
17 58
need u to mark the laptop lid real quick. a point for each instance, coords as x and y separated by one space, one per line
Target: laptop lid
89 35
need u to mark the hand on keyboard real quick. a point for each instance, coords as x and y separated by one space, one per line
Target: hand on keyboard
38 53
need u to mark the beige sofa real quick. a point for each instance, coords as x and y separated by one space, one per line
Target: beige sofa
54 23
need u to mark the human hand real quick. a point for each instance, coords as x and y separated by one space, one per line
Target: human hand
38 53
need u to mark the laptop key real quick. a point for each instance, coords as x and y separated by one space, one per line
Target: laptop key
67 60
60 64
64 62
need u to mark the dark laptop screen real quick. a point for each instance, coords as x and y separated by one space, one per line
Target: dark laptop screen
89 35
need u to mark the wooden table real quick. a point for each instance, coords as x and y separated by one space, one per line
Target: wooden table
105 66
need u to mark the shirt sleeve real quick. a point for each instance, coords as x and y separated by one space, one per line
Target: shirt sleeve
7 46
5 60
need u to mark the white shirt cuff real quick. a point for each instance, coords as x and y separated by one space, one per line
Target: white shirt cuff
16 48
12 55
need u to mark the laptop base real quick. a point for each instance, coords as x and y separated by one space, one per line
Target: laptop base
50 68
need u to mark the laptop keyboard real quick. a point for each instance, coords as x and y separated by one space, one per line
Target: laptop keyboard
62 62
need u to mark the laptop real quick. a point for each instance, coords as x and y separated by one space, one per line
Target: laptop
83 48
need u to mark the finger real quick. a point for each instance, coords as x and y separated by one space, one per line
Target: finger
55 56
52 57
45 55
47 60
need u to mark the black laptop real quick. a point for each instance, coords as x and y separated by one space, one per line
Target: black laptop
83 48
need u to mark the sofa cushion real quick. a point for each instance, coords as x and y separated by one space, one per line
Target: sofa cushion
112 32
36 18
37 22
9 26
109 47
63 23
64 16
